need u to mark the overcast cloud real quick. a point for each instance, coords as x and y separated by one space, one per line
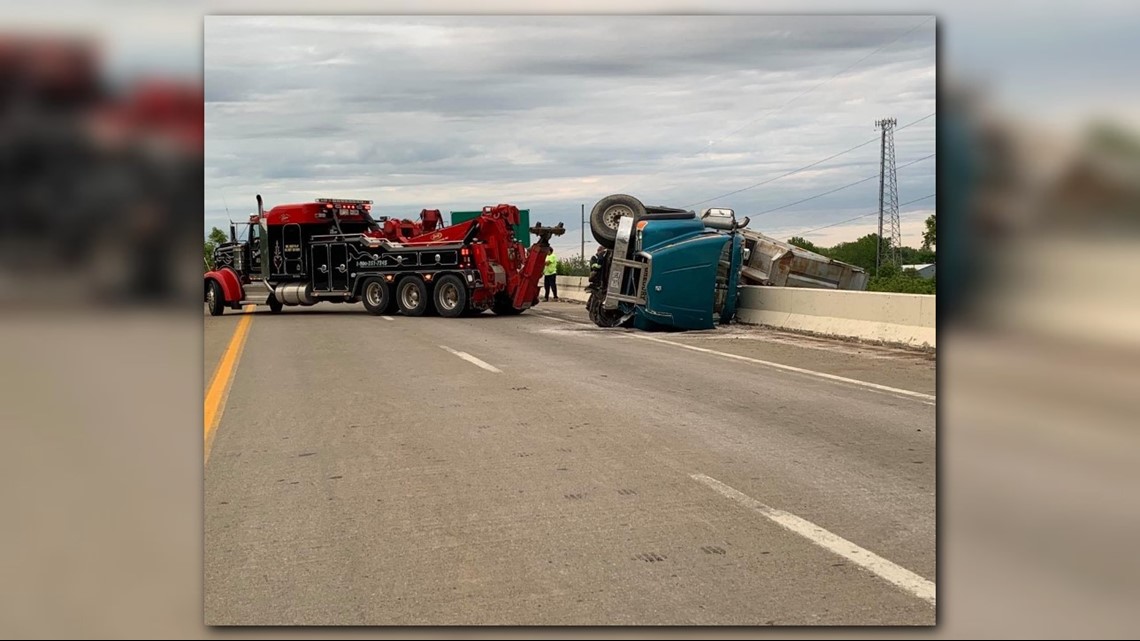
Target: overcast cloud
550 113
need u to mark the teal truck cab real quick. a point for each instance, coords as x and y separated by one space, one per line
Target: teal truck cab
664 268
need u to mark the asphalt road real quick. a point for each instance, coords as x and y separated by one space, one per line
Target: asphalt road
538 470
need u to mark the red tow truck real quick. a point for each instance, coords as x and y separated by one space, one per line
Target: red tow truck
333 250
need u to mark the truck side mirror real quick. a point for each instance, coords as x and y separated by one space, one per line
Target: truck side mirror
719 218
233 233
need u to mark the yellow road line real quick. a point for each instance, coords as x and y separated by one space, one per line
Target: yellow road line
219 388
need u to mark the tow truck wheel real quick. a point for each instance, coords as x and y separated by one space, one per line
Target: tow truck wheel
450 296
215 300
607 214
412 296
376 296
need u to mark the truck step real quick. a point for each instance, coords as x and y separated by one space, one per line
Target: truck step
256 287
255 293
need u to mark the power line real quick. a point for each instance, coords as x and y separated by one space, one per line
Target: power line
915 122
795 171
874 213
806 167
801 95
857 182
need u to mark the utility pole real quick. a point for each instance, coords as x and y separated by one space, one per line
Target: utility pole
888 192
582 220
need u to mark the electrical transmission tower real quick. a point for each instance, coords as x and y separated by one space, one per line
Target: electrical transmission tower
888 193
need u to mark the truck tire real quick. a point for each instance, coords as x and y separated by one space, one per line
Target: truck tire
376 296
607 213
275 305
215 299
450 296
599 315
412 296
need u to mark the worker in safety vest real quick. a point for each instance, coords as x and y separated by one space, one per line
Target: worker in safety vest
550 272
596 268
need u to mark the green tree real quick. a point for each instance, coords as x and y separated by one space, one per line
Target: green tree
573 266
216 237
928 236
804 243
860 253
906 281
912 256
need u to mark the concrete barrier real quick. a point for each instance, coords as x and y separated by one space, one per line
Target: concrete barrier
570 287
906 319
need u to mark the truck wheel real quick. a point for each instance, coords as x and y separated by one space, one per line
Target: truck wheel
376 296
215 300
275 305
608 212
450 296
412 296
602 317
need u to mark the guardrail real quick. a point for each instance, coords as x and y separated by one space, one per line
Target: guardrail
906 319
569 287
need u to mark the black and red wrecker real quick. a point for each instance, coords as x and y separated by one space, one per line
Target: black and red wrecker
333 250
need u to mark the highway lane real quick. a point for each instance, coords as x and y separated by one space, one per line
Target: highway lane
537 470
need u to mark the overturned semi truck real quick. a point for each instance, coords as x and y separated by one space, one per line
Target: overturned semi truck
664 267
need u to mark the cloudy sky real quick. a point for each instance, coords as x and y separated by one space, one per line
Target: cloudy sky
550 113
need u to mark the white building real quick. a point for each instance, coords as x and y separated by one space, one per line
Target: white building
926 271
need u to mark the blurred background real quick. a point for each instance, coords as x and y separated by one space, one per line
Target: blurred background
1039 289
100 168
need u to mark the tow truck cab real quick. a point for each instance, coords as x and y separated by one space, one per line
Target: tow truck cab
273 244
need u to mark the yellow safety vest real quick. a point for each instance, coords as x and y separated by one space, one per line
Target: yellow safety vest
551 265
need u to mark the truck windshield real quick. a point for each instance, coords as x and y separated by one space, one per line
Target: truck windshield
367 223
370 221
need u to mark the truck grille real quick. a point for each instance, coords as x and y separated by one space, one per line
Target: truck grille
720 295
